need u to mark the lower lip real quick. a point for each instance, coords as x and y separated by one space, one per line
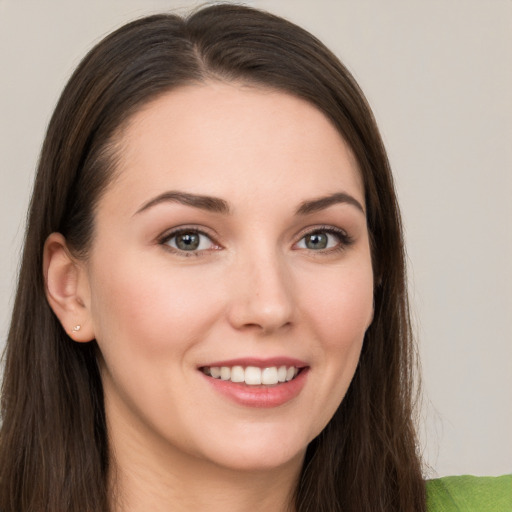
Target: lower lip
260 396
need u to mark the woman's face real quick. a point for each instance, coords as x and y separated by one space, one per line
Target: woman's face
232 242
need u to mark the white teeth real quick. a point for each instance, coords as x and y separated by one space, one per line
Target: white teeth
237 374
269 376
225 373
252 375
290 373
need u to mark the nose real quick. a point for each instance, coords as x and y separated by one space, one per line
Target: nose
261 289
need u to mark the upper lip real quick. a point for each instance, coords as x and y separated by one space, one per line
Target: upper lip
259 362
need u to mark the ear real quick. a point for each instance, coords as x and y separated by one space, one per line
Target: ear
67 289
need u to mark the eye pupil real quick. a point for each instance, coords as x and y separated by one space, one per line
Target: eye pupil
187 241
316 241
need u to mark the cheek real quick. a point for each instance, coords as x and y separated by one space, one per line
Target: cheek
337 308
341 309
150 308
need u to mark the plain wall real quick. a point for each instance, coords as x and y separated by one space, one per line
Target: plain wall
438 75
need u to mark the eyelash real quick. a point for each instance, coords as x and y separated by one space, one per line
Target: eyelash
344 239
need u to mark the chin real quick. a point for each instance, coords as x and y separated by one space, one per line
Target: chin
261 461
255 453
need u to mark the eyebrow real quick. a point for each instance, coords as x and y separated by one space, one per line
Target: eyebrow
211 204
315 205
217 205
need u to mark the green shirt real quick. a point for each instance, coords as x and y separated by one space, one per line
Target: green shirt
470 494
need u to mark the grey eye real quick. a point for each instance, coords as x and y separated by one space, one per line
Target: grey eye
190 241
319 240
316 241
187 241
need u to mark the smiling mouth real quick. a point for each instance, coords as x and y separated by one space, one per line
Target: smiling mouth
252 375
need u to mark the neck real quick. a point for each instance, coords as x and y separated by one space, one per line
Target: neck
141 485
164 479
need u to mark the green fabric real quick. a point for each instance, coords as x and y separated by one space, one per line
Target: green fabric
470 494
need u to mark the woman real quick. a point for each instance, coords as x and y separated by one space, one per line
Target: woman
221 319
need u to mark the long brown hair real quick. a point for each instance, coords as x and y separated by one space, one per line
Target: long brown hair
54 451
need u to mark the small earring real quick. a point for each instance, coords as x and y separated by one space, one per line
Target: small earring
77 328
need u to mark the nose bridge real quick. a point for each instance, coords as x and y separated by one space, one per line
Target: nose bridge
262 290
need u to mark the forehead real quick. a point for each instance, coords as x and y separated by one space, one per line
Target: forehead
233 140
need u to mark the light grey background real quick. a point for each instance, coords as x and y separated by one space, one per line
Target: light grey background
439 77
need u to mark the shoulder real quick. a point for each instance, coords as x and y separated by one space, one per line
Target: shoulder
470 494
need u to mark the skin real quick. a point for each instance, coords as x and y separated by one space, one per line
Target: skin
253 289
